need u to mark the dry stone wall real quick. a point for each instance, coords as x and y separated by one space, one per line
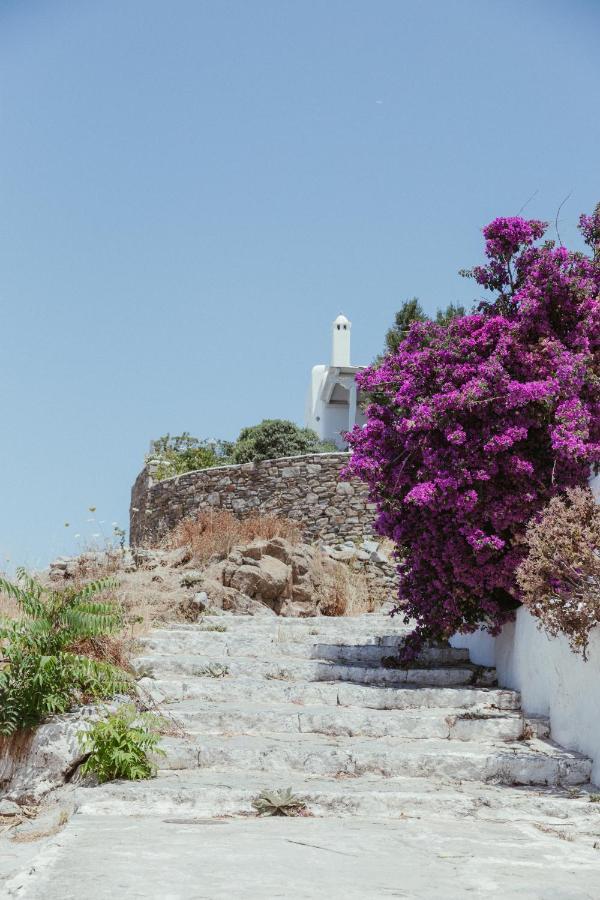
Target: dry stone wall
307 489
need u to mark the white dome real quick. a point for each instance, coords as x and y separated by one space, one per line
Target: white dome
342 320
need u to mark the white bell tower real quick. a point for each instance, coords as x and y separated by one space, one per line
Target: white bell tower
340 342
332 407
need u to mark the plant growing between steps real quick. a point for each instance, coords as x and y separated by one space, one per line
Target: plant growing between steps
279 803
119 745
41 673
214 670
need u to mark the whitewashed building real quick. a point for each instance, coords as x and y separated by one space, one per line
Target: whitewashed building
332 404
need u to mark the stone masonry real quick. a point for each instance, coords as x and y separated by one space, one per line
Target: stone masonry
305 488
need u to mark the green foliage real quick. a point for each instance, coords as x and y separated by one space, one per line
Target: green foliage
275 438
279 803
452 311
119 745
40 674
412 311
176 454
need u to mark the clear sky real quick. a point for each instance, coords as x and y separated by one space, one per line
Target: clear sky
191 191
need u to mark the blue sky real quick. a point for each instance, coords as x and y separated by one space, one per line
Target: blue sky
191 191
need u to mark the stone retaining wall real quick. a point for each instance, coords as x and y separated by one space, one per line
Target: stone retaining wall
305 488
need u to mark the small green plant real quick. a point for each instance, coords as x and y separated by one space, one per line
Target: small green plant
594 798
280 675
176 454
214 670
119 745
211 626
279 803
41 673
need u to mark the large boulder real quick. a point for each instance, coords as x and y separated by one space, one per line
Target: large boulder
272 576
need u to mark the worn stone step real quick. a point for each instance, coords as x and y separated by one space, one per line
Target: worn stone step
290 669
204 793
260 690
539 762
339 624
453 724
169 643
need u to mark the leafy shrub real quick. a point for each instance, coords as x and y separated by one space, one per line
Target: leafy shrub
215 533
174 455
275 438
560 577
119 744
41 672
475 425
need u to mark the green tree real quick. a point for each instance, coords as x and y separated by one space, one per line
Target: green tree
410 311
452 311
274 438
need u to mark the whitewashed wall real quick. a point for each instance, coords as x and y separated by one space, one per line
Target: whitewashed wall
553 680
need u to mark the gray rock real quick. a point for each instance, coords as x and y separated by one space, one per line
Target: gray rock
9 808
370 546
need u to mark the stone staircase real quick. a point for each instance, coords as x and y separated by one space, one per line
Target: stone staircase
319 705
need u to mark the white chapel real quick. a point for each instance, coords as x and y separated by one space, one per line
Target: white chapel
332 406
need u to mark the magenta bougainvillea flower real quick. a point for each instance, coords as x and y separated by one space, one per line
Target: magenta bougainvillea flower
474 426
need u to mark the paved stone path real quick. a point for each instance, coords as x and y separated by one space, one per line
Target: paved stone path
419 783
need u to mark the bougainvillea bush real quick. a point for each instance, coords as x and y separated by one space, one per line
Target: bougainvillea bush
476 424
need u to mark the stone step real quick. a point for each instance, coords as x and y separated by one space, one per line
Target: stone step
338 624
453 724
538 762
202 793
291 669
260 690
169 643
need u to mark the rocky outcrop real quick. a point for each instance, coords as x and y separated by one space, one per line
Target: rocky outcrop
275 577
33 762
269 577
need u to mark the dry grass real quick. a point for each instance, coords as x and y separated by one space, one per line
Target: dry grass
90 565
115 649
8 608
216 533
340 591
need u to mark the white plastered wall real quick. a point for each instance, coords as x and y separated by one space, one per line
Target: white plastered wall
553 680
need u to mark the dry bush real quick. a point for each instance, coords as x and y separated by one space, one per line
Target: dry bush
339 590
560 577
115 650
216 532
91 565
8 608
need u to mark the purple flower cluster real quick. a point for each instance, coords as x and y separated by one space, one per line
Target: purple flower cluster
474 426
